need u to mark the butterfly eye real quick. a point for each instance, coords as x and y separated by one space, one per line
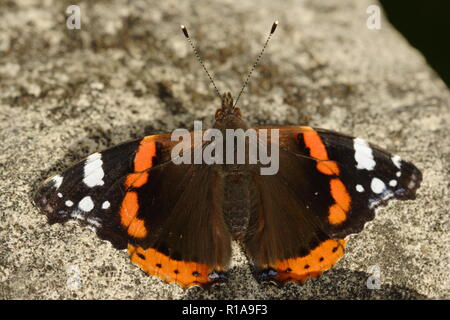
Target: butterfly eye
218 113
237 112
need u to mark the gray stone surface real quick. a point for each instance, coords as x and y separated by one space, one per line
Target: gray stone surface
129 71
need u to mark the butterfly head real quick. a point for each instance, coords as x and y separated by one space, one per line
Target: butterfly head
228 116
227 110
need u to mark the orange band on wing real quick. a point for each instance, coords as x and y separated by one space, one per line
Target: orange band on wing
315 144
318 260
337 213
155 263
128 215
137 228
144 156
318 151
136 180
143 160
340 194
129 208
328 167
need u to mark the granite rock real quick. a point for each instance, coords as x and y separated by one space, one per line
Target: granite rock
129 72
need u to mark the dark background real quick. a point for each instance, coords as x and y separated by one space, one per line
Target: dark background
426 25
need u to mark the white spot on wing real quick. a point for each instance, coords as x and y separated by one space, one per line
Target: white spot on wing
398 174
78 215
377 185
393 183
397 161
363 154
59 195
106 205
359 188
58 181
93 171
213 275
387 194
69 203
94 222
86 204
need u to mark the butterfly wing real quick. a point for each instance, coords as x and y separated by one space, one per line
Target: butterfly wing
182 207
134 196
90 191
327 187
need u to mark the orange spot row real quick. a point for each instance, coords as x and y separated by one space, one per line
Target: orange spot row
155 263
318 151
318 260
143 160
337 213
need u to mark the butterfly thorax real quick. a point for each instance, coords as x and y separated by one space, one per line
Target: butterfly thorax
239 203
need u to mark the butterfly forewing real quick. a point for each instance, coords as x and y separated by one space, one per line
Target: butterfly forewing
91 192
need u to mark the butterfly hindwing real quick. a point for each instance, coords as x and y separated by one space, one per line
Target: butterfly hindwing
187 239
289 238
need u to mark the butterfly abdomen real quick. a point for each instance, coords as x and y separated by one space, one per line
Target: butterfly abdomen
238 203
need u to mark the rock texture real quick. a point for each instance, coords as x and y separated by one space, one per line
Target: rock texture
129 71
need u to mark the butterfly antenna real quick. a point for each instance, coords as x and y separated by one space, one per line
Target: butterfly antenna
272 30
186 34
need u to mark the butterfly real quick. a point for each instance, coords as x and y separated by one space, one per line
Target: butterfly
178 220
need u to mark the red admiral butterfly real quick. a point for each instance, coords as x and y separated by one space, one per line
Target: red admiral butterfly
178 220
